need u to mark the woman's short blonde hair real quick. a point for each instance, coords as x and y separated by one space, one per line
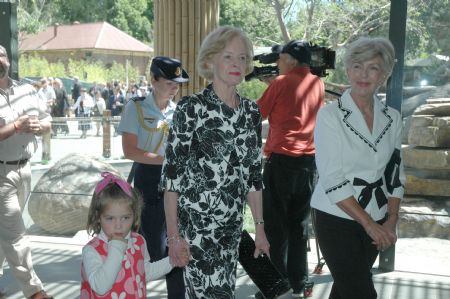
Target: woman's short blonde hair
366 48
215 42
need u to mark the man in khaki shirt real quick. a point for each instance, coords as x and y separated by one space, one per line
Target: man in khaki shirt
22 117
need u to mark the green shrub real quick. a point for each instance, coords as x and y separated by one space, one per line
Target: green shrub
92 71
252 89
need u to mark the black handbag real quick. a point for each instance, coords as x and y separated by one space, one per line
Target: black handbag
261 270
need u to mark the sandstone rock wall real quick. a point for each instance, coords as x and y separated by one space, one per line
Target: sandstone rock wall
427 166
426 158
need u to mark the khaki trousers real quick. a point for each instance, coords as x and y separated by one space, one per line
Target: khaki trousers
15 185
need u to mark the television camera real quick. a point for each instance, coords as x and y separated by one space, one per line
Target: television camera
322 58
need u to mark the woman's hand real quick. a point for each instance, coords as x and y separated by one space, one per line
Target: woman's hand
391 225
382 235
179 252
262 246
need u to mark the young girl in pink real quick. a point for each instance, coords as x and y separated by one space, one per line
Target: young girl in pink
115 262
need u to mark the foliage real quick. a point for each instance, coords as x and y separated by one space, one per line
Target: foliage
248 220
254 17
252 89
331 23
131 16
93 71
336 23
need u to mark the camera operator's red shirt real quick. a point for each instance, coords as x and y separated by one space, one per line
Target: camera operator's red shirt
291 103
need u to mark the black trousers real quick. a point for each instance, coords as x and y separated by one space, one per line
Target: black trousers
153 224
349 254
288 185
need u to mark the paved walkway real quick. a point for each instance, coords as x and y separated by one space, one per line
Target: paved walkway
422 264
422 271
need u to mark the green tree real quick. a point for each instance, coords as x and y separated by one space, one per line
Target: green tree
255 17
130 16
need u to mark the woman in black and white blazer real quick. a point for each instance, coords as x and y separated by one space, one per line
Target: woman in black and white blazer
358 155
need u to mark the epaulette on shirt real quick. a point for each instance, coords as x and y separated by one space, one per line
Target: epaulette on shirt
137 99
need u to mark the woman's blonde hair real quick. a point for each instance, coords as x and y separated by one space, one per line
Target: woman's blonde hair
366 48
112 193
215 42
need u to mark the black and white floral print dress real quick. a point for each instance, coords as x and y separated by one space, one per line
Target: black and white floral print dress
213 159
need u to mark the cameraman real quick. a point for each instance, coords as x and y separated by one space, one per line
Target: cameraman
290 102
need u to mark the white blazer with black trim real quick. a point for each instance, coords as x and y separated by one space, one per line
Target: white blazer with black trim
351 161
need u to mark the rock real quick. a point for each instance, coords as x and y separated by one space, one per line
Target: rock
410 104
426 186
424 218
426 158
60 201
437 107
429 136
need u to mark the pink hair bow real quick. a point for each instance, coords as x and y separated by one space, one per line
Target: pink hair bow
109 178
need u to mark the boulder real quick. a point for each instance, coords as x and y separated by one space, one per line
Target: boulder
60 201
410 104
426 186
424 217
437 107
426 158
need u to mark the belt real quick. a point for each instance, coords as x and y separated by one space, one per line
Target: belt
17 162
366 193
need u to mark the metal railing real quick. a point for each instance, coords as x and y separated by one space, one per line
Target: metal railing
61 125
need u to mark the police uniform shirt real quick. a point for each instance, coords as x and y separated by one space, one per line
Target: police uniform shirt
18 100
144 119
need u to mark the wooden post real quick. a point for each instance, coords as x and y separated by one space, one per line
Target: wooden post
180 27
106 123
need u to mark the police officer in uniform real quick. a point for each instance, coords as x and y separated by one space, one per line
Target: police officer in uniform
144 127
22 116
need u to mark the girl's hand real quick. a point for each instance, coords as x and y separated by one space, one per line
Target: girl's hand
119 238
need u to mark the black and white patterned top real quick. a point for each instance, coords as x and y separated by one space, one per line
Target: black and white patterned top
213 151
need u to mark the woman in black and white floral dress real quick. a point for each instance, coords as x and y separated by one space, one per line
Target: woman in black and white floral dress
212 165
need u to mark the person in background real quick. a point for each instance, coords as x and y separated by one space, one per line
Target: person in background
23 116
143 90
60 107
107 91
290 102
75 89
144 127
83 107
212 167
97 111
115 104
361 178
116 263
133 92
47 93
